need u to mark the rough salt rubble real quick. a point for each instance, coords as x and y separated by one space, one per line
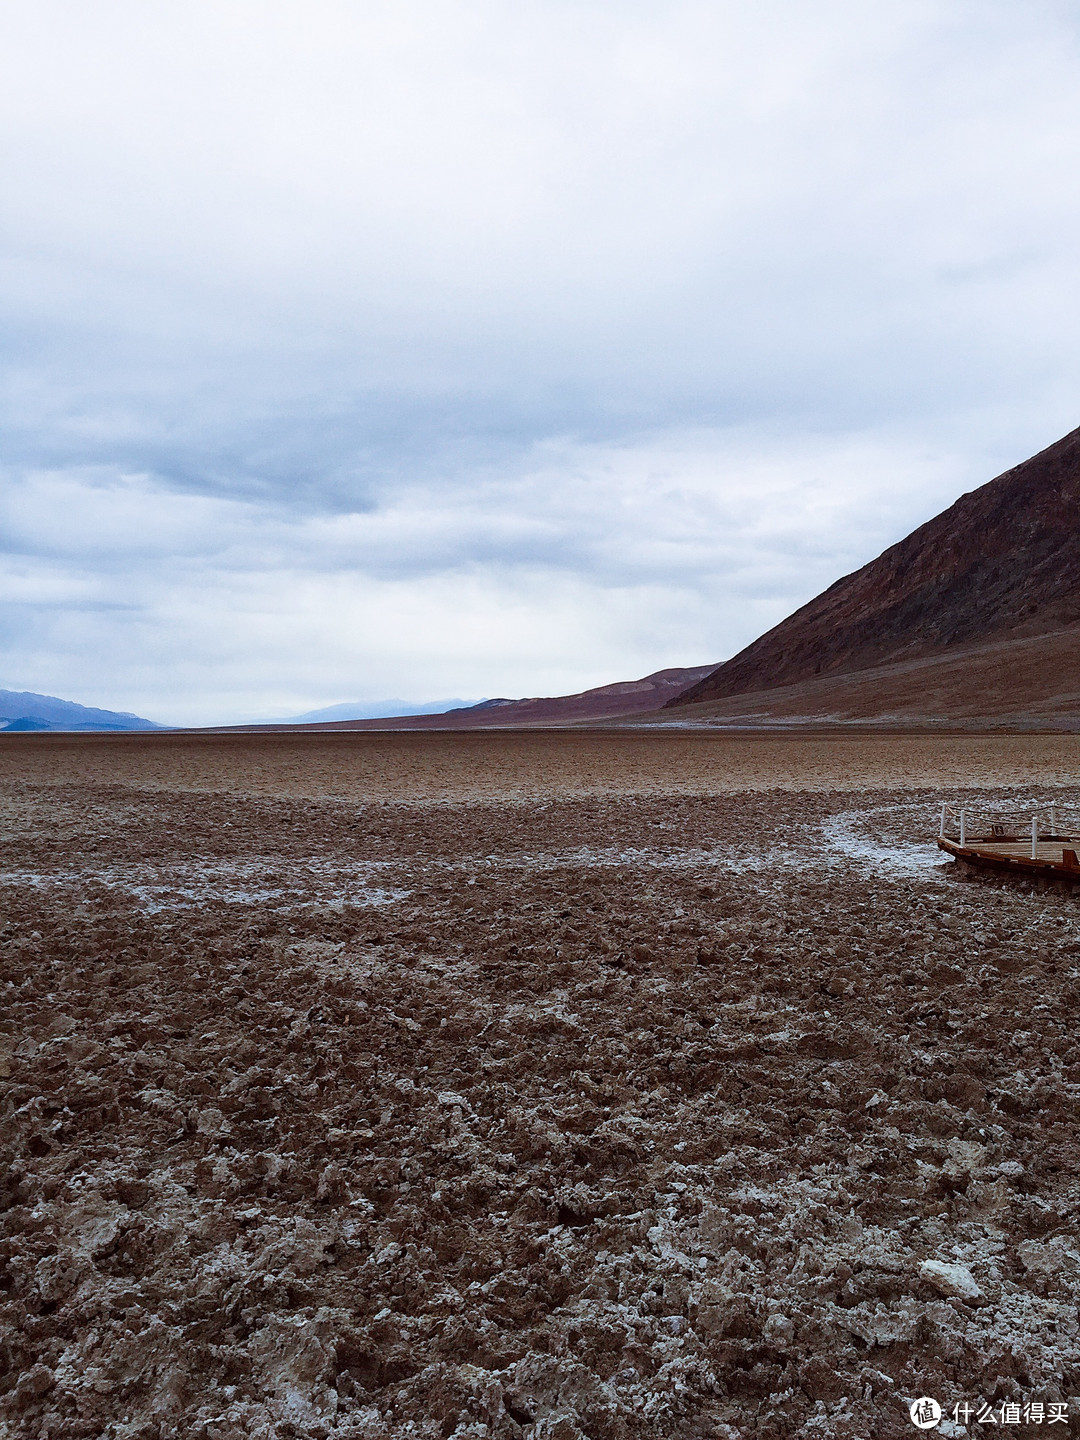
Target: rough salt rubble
172 886
842 838
674 1117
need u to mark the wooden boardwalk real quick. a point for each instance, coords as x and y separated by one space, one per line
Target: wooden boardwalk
1051 857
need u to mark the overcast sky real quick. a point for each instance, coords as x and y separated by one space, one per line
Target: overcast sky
362 349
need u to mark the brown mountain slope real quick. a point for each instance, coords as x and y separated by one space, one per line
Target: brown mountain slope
1032 682
1003 562
605 702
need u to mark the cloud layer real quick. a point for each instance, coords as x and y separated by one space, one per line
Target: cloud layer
472 349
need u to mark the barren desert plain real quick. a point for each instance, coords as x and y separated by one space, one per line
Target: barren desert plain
532 1086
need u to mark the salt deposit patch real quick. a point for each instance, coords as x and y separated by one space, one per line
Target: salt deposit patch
845 835
155 889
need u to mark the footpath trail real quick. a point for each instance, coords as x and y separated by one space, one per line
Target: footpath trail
530 1115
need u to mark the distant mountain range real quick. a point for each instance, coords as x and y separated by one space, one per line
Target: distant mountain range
357 710
625 697
23 710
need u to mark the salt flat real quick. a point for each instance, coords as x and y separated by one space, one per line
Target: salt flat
536 764
560 1085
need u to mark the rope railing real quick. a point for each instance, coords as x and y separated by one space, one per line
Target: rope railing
971 824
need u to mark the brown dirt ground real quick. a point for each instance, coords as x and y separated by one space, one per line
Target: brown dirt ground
529 1087
534 765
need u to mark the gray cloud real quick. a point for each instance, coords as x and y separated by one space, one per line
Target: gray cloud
463 348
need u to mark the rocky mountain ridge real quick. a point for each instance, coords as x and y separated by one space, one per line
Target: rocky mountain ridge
1002 563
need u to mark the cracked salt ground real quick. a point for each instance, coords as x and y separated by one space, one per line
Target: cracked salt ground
841 836
838 839
155 899
689 860
156 890
616 1151
849 835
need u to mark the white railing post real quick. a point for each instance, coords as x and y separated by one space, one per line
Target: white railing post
963 828
1035 837
1053 820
